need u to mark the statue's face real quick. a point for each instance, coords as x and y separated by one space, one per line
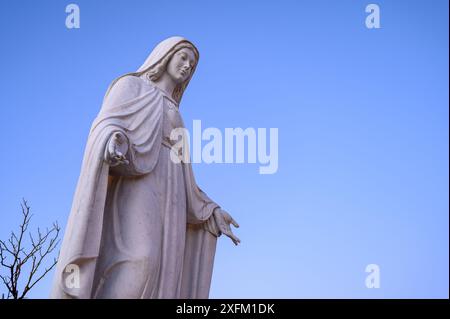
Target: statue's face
180 65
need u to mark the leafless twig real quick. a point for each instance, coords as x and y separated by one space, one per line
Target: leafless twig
14 257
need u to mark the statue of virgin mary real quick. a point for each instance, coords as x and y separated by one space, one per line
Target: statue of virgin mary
139 226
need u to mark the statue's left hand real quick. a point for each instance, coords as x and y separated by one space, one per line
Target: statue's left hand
223 221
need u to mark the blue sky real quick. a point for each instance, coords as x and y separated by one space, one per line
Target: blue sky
362 118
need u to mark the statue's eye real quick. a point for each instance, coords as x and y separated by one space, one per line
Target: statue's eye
183 57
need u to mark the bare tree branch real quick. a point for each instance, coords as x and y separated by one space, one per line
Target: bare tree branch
14 258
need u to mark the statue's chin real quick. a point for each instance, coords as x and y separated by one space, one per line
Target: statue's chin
178 78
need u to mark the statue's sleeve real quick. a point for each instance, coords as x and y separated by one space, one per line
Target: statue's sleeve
199 206
120 93
129 110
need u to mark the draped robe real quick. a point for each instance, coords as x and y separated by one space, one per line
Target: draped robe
142 230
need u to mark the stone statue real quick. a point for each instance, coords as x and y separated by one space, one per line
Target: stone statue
140 227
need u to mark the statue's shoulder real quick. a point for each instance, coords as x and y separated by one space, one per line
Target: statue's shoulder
125 88
129 82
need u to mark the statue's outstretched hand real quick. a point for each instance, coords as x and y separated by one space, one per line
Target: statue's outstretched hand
116 150
223 221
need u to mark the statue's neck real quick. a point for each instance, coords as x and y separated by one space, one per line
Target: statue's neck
166 84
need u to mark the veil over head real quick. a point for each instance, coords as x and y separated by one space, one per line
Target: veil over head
165 48
162 49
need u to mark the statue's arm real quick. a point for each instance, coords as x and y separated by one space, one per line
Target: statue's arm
218 221
117 152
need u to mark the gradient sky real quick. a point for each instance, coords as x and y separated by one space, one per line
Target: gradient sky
362 117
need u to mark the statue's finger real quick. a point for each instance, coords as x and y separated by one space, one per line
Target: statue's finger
233 238
235 224
236 241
